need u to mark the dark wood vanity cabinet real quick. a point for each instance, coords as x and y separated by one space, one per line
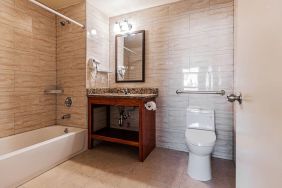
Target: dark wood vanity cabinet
144 139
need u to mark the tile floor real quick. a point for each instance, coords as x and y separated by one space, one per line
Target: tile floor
117 166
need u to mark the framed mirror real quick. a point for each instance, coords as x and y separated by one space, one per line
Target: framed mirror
130 57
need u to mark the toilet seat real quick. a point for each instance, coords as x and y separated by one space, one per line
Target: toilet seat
200 137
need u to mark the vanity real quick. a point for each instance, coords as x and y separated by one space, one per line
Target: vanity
124 115
102 127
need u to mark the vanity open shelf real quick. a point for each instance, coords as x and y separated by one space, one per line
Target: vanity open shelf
100 125
121 136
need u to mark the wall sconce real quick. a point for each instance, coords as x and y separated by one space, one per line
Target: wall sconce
123 26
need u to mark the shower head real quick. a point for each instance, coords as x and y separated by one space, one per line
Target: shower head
63 23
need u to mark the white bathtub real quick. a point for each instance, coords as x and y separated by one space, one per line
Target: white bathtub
27 155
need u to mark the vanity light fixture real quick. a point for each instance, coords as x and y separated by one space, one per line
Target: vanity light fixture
122 27
116 27
92 32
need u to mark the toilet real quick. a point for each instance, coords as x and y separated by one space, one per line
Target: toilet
200 139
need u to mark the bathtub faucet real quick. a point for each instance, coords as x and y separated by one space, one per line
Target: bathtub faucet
66 130
66 116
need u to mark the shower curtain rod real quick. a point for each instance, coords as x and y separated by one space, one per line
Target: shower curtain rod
55 12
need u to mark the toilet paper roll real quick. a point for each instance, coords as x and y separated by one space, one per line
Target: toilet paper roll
152 106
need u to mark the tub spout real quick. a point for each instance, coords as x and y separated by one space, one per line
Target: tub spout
66 130
66 116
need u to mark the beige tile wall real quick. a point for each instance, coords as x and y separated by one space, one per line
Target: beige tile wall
27 67
189 44
71 69
97 45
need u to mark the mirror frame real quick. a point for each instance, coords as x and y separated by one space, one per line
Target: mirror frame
143 56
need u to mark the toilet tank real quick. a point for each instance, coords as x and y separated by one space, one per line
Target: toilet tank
200 119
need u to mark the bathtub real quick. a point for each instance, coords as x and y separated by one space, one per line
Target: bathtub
27 155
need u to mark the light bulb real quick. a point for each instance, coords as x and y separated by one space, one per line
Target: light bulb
116 27
93 32
124 26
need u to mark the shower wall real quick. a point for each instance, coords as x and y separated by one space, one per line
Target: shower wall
37 53
27 67
189 44
71 68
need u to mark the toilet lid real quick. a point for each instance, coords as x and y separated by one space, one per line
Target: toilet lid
200 137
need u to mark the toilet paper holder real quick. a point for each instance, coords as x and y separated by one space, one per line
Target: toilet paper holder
151 105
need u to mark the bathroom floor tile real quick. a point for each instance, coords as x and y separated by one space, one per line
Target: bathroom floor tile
116 166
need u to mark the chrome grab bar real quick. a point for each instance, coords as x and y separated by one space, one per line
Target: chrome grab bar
221 92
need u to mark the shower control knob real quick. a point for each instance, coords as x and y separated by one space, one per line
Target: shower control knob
68 102
233 98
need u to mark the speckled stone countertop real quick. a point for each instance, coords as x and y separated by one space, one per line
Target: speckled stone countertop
121 92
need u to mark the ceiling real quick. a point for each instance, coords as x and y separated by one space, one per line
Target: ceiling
118 7
57 4
110 7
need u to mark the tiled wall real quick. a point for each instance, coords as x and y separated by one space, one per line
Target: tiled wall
189 44
37 53
71 69
27 67
97 45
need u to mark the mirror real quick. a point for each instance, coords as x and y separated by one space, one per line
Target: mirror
130 57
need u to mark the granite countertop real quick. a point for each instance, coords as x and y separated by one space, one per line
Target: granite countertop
121 92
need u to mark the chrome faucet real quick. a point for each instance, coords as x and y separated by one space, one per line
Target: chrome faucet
126 91
66 116
66 130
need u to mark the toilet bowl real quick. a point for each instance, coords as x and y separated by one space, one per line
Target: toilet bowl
200 139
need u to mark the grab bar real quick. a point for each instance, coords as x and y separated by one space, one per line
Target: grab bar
221 92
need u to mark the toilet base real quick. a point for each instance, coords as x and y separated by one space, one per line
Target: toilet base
199 167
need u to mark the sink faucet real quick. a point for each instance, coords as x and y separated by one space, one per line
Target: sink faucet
126 91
